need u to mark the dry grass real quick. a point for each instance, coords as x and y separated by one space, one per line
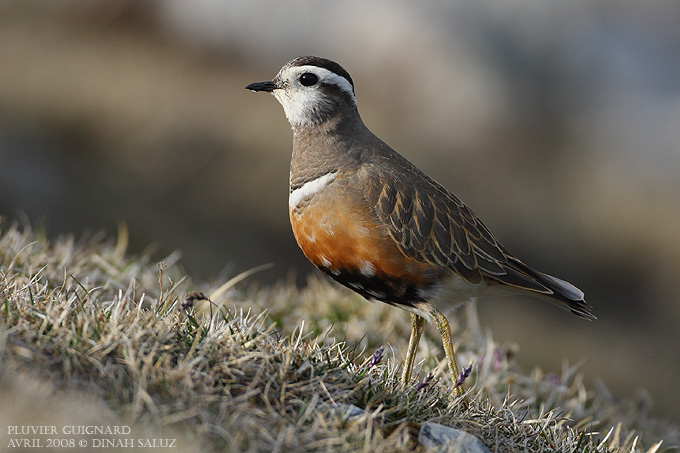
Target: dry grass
112 339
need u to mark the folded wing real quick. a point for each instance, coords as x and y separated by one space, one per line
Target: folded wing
430 224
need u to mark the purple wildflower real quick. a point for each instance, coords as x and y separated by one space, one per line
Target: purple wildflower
377 357
553 379
497 358
462 376
424 383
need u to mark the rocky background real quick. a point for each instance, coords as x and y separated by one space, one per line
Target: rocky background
558 123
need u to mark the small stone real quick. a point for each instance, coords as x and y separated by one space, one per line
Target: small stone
440 438
350 410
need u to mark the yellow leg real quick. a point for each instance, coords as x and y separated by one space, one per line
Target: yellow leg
417 325
445 332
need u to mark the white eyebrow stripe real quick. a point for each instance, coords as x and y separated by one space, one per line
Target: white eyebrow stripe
309 188
329 76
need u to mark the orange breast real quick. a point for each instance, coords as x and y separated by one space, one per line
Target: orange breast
344 241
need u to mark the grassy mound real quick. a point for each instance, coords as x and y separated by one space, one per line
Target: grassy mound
90 336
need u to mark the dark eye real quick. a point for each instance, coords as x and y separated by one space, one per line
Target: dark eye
308 79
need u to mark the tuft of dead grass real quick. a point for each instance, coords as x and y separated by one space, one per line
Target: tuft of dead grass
217 368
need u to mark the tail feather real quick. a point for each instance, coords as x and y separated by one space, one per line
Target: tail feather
571 295
560 292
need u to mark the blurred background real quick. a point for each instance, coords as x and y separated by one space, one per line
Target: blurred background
557 122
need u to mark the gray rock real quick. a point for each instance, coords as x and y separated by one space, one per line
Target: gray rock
349 410
440 438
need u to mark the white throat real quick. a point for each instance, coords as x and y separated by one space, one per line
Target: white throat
304 106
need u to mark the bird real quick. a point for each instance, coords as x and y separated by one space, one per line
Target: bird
374 222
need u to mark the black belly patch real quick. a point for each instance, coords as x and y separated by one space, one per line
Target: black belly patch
391 291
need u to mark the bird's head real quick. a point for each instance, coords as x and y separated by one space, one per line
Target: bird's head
311 90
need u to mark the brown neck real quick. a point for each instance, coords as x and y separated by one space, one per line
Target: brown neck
324 148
